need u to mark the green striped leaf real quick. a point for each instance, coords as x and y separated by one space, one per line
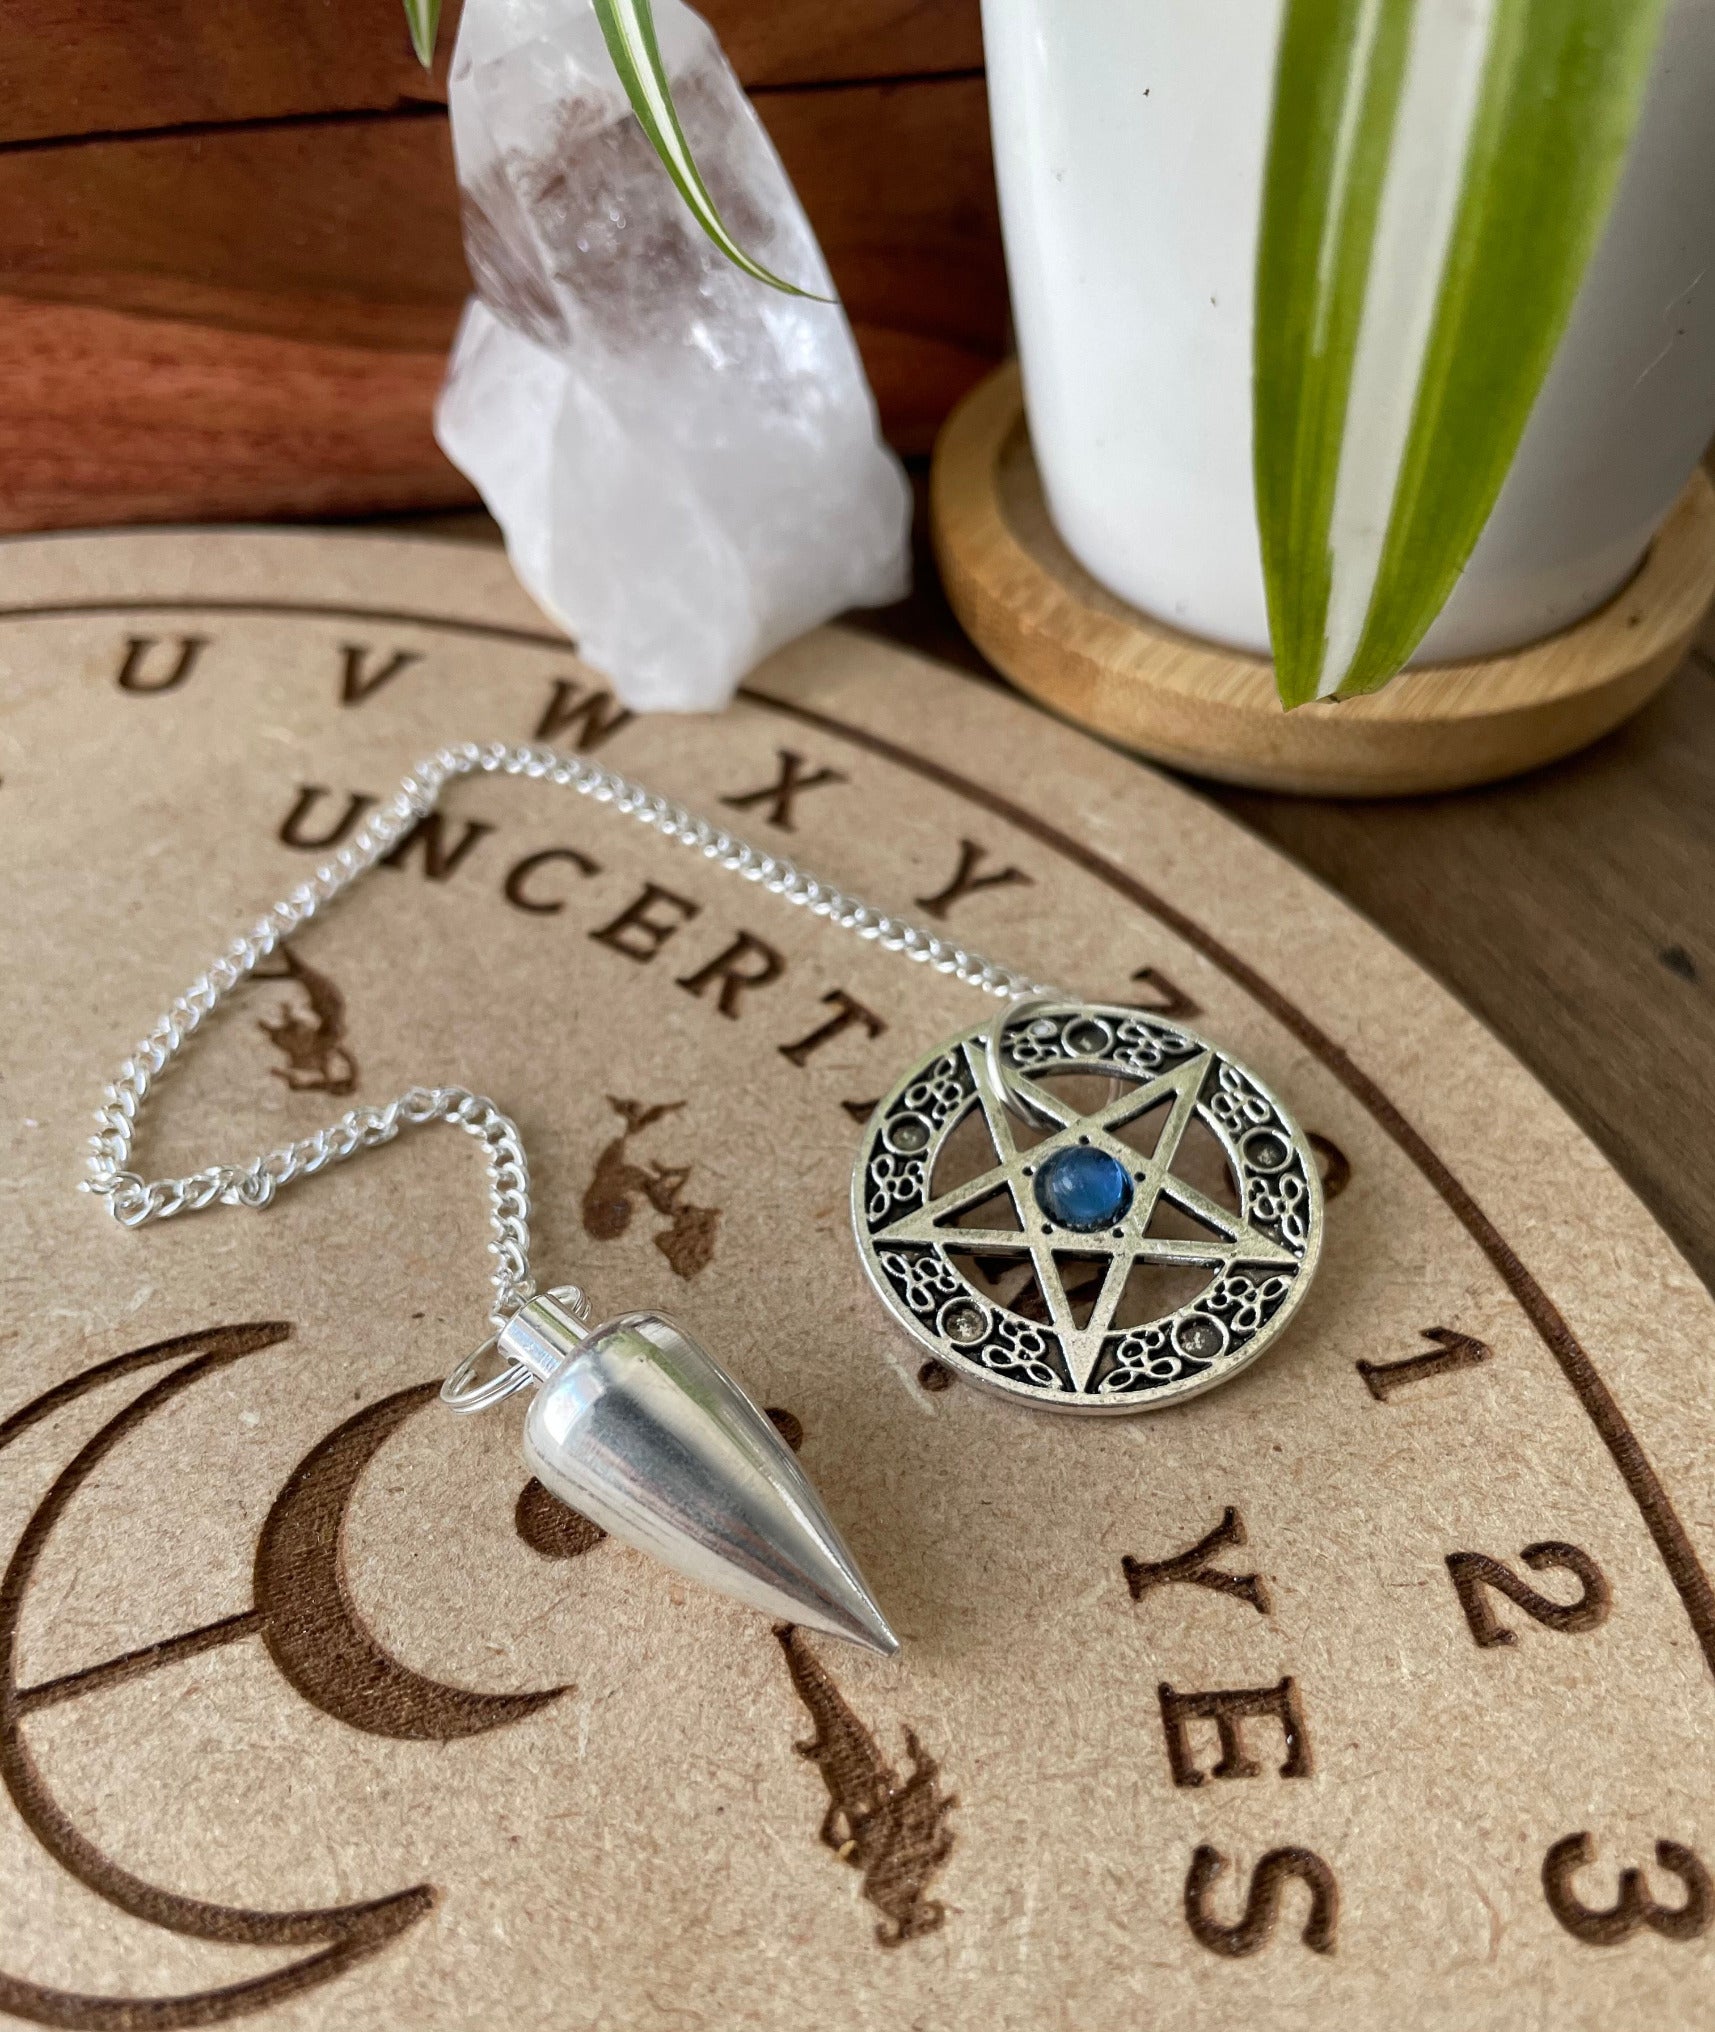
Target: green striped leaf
1437 180
424 20
628 27
1561 94
1337 91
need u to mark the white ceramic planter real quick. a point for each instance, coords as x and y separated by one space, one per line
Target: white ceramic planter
1129 143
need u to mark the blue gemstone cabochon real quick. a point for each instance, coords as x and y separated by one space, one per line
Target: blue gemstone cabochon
1083 1189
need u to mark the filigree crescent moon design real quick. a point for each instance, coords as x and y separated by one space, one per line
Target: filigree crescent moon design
1032 1261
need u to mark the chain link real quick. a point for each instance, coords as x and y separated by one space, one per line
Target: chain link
134 1200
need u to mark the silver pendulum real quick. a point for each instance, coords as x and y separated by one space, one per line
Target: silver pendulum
634 1424
1010 1253
642 1431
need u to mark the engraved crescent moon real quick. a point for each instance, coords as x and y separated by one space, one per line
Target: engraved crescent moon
345 1934
311 1623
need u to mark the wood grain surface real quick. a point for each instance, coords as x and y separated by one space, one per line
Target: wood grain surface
74 69
113 418
288 179
336 235
348 235
132 66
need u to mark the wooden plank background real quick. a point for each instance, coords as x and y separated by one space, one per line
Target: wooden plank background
229 251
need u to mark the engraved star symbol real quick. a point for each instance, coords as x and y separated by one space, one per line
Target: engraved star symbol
1124 1242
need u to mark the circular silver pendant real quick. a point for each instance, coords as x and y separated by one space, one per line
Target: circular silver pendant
1088 1208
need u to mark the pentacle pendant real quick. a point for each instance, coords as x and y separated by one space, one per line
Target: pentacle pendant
1088 1208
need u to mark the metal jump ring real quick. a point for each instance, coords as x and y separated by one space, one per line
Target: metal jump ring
1002 1088
457 1393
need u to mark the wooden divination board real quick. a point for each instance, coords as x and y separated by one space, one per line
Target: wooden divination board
309 1706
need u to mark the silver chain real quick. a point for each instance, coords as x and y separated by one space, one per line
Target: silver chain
134 1200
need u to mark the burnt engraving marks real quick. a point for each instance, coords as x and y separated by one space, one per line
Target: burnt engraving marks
588 715
312 1628
847 1012
1633 1907
1229 1709
575 715
295 827
429 841
311 1040
552 1528
647 922
524 893
298 1596
748 963
1192 1568
359 680
778 800
1475 1573
688 1240
1231 1913
1452 1351
1251 1932
966 880
541 884
891 1828
150 665
1166 997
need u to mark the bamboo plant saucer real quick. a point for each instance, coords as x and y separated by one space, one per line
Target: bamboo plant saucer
1058 635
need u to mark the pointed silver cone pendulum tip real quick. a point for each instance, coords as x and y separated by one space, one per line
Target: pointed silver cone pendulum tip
648 1436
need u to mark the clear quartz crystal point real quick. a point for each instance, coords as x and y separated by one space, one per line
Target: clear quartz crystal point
639 1429
686 462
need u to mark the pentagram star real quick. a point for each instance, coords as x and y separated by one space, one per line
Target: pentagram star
1125 1240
